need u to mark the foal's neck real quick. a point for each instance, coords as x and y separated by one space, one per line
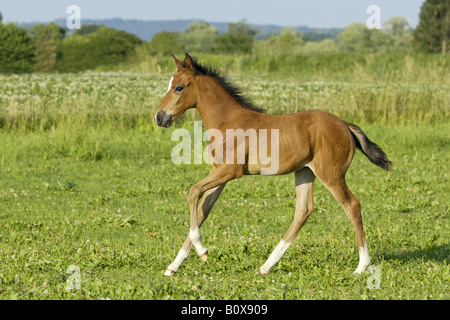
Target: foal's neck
214 104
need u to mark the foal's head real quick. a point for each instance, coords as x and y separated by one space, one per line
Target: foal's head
181 93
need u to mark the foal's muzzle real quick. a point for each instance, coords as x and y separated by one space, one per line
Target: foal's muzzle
163 119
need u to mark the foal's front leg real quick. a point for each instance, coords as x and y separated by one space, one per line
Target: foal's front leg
213 180
209 199
211 187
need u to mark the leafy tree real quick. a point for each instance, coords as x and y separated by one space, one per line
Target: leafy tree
288 42
112 46
1 17
319 35
233 43
105 46
75 55
47 40
433 32
357 37
87 29
16 49
353 38
324 46
378 41
242 27
199 37
165 43
400 31
239 39
398 27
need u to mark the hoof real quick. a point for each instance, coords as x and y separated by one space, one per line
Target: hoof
263 272
359 270
204 257
169 273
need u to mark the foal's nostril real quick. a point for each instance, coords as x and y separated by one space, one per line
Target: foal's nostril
163 119
158 118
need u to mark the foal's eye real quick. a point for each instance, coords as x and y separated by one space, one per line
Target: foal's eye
179 89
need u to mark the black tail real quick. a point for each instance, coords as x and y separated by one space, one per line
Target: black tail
370 149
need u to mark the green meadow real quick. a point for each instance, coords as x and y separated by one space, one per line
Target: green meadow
86 180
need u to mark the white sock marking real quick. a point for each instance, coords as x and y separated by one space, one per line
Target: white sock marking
275 256
364 259
196 240
181 257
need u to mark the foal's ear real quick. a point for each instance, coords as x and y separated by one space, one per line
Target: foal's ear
177 62
188 62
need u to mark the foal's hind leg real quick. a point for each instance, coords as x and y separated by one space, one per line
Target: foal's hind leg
352 209
208 201
304 181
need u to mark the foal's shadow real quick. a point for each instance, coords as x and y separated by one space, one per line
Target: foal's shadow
438 253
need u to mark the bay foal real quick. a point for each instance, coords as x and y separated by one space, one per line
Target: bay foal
310 144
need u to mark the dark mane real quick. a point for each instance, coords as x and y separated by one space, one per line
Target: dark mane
229 87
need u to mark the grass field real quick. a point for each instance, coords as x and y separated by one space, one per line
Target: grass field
87 180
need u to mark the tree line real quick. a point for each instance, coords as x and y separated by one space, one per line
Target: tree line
48 48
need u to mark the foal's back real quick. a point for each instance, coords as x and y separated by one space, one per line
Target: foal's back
310 138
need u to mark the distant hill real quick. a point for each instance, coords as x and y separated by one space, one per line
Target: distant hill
147 29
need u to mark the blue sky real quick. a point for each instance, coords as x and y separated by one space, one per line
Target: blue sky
312 13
